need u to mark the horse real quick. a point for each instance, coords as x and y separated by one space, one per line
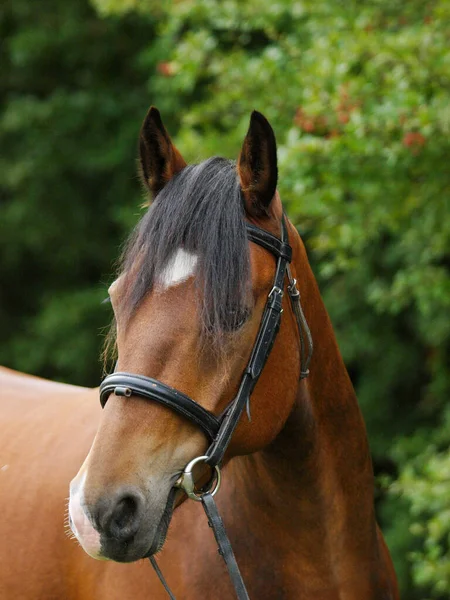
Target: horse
297 493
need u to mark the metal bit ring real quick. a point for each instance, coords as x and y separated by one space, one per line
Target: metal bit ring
187 484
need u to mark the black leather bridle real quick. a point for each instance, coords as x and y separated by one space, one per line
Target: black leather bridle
219 429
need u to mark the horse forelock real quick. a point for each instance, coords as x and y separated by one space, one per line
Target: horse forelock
198 217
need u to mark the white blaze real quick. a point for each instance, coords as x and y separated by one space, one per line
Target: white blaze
88 537
180 267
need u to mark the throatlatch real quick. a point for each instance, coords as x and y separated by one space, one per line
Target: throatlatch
219 430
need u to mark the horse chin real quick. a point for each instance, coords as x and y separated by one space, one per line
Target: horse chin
120 552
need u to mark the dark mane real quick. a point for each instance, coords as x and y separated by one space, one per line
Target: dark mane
200 210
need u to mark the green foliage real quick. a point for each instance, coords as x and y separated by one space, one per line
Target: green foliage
359 96
424 483
73 89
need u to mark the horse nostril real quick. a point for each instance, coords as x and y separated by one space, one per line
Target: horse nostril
124 518
124 511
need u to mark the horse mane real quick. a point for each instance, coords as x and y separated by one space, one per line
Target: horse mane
201 210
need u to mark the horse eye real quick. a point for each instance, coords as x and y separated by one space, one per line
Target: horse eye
234 319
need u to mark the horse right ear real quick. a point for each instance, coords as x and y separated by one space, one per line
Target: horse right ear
159 158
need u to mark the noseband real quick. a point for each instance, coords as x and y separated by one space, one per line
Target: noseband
219 429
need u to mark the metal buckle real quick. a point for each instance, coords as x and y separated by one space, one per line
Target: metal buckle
293 290
276 290
187 484
292 285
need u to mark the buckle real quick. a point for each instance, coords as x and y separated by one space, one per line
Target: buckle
292 289
276 290
275 299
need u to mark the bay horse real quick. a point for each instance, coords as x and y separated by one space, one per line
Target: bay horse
297 491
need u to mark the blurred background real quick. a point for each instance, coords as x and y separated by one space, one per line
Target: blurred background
358 93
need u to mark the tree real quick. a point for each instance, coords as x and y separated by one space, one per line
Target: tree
73 89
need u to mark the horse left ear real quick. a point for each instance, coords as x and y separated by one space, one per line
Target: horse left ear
159 158
257 166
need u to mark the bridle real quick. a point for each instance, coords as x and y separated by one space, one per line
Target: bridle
219 429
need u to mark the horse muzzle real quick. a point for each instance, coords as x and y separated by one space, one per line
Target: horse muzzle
121 525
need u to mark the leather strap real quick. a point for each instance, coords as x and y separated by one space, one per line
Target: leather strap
265 339
278 247
162 579
225 549
128 384
303 327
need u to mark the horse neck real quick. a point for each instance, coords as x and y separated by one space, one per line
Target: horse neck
325 431
315 480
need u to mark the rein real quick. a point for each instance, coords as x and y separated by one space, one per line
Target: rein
219 430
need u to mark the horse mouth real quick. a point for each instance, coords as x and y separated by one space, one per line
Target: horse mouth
161 531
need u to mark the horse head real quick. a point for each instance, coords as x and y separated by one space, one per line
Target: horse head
188 304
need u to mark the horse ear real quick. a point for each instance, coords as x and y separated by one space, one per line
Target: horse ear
257 166
159 158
